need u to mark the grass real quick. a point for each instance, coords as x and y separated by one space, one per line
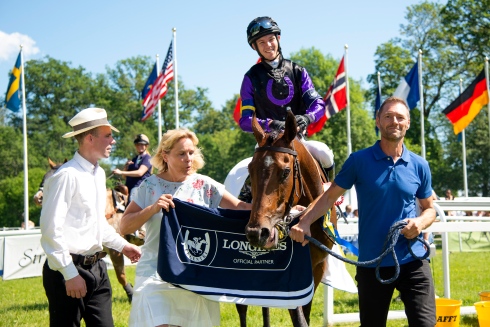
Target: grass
23 302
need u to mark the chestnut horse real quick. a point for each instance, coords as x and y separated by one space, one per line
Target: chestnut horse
283 174
116 202
115 205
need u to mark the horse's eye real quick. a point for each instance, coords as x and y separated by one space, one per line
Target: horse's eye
285 173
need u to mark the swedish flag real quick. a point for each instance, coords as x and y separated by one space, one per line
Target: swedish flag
12 98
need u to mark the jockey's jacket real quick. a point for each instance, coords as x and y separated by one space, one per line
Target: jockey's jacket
270 91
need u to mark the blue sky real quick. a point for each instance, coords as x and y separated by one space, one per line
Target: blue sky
212 51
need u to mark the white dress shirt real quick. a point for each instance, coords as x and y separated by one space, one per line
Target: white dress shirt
73 215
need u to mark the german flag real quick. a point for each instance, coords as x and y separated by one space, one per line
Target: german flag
464 109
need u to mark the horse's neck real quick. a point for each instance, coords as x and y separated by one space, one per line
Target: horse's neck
311 174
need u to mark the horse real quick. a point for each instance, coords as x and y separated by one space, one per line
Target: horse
283 174
38 197
116 202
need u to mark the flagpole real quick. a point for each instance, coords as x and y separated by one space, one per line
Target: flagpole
24 130
422 116
488 93
159 109
349 145
379 82
463 136
377 104
174 30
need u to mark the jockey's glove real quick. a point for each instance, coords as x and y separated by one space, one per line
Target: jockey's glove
302 121
277 125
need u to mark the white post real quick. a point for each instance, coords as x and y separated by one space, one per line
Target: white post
422 116
327 305
24 131
488 93
174 30
463 135
445 253
159 107
349 144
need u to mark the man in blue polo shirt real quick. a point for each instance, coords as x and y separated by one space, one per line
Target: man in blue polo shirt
388 179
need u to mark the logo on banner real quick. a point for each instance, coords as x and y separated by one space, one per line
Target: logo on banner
196 247
253 254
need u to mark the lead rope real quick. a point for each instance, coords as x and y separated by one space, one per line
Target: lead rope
388 247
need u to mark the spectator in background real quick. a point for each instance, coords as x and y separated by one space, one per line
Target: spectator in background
30 224
139 168
449 195
348 211
356 213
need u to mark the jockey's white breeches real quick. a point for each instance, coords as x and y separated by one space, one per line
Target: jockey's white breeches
320 151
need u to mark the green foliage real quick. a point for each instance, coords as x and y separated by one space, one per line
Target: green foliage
12 198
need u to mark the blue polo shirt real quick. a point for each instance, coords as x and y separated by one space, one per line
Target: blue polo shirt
386 193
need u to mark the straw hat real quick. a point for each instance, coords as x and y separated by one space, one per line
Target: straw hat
88 119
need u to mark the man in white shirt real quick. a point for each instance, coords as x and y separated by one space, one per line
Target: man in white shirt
74 229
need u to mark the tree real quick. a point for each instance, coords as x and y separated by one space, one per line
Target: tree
467 22
11 152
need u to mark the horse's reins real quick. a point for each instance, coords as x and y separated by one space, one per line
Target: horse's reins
392 239
282 226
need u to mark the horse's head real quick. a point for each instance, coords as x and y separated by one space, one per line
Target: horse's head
276 186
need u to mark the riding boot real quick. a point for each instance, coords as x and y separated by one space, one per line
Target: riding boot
129 291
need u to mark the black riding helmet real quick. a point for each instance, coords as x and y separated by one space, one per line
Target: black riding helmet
142 139
259 27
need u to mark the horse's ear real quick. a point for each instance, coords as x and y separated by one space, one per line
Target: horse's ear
51 163
257 130
291 128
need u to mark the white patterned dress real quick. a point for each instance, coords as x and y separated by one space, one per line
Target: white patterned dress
156 302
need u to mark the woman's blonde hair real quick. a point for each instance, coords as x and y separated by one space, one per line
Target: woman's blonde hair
169 139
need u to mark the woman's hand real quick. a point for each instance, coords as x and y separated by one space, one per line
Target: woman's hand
164 202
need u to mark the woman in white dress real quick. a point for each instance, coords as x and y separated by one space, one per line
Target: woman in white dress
156 302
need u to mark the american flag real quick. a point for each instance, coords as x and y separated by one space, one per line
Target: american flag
159 88
335 99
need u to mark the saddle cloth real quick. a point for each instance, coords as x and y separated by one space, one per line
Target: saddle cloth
205 251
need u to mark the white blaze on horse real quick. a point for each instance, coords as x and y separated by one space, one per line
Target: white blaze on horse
116 202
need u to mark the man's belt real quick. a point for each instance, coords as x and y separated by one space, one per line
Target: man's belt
87 260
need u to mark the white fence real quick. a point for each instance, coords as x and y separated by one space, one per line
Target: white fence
440 226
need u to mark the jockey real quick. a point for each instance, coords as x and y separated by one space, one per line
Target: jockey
275 84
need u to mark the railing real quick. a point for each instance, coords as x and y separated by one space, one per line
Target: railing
478 224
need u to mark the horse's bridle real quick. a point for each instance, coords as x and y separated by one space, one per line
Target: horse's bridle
282 226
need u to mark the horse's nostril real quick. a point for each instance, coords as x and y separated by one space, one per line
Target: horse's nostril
264 234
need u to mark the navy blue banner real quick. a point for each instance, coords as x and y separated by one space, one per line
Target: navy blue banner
205 250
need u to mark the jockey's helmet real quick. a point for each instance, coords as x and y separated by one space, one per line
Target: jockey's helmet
261 26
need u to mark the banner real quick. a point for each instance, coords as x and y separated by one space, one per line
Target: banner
206 251
23 257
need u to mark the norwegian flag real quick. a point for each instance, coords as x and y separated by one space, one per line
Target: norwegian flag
335 99
159 88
